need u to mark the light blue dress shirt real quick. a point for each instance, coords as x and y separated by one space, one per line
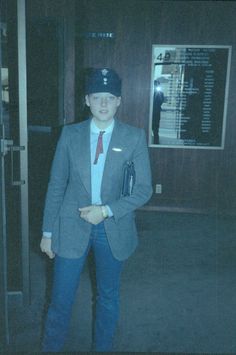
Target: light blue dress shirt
97 169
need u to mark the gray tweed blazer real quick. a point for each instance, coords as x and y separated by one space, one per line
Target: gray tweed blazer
70 188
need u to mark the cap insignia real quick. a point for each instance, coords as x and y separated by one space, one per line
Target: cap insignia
104 72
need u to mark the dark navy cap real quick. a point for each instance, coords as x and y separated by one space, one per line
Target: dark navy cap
103 80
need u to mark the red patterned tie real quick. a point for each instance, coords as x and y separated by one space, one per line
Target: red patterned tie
99 149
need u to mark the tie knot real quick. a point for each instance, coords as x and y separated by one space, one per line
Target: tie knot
101 133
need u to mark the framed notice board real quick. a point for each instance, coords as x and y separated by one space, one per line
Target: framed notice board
189 94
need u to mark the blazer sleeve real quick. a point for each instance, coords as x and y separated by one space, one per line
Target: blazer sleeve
58 182
142 190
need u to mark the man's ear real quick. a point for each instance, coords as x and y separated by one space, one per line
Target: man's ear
87 100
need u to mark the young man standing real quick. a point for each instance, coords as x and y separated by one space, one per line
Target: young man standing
85 209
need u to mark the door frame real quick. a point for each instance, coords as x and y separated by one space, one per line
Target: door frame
23 142
4 333
22 296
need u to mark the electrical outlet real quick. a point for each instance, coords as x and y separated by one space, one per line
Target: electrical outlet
158 188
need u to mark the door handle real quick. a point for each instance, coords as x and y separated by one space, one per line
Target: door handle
5 146
13 149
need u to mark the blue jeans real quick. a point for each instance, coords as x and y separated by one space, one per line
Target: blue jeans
66 280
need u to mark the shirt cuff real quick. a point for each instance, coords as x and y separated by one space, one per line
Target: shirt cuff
47 234
110 213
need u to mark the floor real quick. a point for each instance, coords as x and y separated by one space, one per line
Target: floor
178 291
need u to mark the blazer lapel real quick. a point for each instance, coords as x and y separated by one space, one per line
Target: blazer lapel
83 156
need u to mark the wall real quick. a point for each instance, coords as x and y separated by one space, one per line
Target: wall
59 15
192 180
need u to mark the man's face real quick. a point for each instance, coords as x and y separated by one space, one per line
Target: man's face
103 106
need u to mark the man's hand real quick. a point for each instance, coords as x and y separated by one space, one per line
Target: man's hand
92 214
46 247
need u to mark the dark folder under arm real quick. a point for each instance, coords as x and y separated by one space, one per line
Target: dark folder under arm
128 179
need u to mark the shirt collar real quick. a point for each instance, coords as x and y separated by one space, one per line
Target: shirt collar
95 129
